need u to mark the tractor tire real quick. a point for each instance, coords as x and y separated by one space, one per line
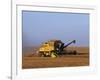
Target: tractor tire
74 52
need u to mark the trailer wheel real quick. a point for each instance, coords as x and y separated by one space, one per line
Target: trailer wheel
75 52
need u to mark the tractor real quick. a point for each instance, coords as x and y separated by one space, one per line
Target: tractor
54 48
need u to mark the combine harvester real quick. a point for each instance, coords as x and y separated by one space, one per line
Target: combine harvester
54 48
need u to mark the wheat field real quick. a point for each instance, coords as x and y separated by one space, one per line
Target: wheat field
30 60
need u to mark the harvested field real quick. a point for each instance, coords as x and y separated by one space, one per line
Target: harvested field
81 59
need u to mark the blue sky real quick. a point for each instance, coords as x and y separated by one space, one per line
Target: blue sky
39 27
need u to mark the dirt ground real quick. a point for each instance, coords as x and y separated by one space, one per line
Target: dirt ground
81 59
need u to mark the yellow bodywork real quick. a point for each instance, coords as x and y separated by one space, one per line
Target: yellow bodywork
47 48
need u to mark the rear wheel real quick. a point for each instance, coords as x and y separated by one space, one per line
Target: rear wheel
75 52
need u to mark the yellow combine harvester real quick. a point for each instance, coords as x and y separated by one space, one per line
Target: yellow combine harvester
53 48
